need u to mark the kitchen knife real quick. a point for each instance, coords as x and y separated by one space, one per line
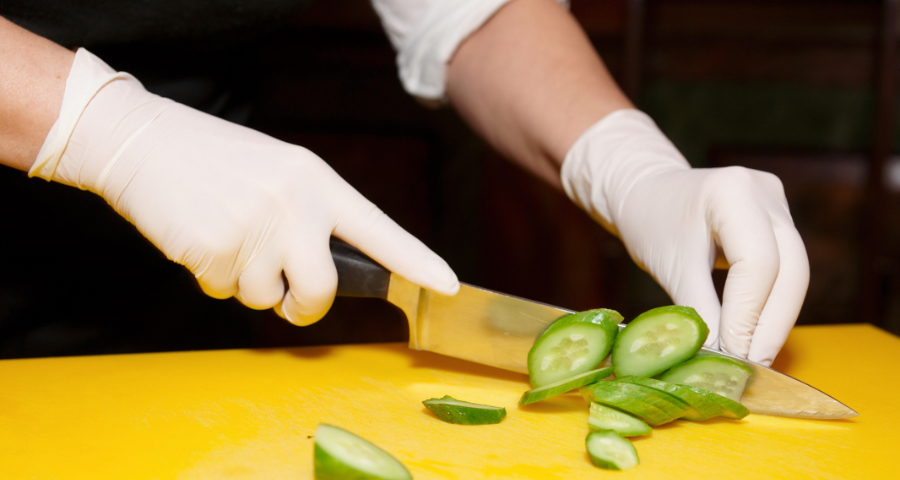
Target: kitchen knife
495 329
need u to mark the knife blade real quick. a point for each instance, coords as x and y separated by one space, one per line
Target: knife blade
496 329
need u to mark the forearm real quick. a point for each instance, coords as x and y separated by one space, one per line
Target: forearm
530 82
33 73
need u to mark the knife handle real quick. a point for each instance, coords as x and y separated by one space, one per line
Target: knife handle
358 275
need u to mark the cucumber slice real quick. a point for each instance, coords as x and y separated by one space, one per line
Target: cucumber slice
606 418
610 451
646 406
701 409
456 411
731 409
720 375
572 345
563 386
658 339
340 455
684 408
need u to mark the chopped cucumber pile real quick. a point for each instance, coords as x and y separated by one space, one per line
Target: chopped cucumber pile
340 455
572 345
456 411
662 342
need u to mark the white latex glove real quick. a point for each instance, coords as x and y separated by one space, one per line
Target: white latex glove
673 219
234 206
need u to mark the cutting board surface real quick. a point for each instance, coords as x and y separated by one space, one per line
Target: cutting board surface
249 414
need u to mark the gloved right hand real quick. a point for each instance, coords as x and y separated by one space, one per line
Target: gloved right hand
234 206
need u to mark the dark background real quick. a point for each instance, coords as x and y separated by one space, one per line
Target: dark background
802 89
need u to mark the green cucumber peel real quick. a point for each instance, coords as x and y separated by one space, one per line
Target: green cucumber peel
565 385
608 418
730 409
610 451
572 345
460 412
685 409
721 375
658 339
341 455
701 408
630 399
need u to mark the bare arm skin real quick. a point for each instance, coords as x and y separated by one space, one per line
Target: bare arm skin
33 73
530 82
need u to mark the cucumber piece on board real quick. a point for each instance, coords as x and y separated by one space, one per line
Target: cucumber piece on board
340 455
720 375
658 339
459 412
731 409
572 345
563 386
701 409
607 418
685 408
630 399
610 451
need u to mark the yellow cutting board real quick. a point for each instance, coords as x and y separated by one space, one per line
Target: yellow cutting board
249 414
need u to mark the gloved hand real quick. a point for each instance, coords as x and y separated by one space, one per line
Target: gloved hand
234 206
674 219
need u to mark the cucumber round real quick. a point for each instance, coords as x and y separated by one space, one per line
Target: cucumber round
730 409
701 409
341 455
610 451
565 385
682 408
658 339
606 418
572 345
720 375
459 412
646 406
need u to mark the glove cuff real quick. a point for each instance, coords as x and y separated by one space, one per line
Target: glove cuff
610 157
87 76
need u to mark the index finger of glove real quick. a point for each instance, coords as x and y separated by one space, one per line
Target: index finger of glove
784 303
367 228
749 243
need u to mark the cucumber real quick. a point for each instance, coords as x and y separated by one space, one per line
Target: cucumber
731 409
459 412
684 409
572 345
606 418
630 399
701 409
720 375
563 386
339 454
658 339
610 451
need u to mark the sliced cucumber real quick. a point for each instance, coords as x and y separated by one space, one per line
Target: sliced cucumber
702 408
646 406
658 339
563 386
341 455
720 375
685 409
456 411
572 345
731 409
606 418
610 451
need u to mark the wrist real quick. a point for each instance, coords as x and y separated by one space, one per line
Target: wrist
611 157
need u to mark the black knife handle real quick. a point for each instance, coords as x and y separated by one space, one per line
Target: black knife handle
358 275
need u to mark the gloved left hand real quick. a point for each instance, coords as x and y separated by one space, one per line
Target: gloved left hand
674 220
